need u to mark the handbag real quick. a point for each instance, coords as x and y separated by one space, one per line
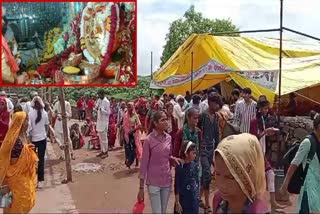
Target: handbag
138 207
5 197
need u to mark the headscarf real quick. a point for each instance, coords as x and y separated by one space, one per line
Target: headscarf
179 97
154 105
142 101
37 98
126 122
244 158
7 145
4 118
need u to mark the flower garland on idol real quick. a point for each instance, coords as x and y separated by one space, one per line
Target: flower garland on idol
114 25
112 19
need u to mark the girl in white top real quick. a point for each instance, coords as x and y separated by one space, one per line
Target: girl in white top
38 129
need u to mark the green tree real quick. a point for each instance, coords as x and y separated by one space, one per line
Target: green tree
192 22
73 93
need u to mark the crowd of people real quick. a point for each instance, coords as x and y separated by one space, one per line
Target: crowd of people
202 137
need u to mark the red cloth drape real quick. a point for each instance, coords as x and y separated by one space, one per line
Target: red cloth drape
4 118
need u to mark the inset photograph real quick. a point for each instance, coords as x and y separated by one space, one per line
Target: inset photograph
69 43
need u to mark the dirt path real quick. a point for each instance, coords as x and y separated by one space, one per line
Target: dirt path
54 197
112 190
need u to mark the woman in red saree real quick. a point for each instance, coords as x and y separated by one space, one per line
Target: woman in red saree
112 125
94 138
132 126
142 112
4 118
90 104
172 123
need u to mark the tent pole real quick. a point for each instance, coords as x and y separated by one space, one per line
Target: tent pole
245 31
191 88
280 59
302 34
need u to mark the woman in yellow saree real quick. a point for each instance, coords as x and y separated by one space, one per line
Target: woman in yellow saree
18 165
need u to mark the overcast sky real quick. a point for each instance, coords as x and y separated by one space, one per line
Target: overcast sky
154 17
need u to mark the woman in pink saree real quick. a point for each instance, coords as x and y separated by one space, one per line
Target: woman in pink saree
132 126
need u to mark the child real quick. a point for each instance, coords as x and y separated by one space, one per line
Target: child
94 138
76 137
186 181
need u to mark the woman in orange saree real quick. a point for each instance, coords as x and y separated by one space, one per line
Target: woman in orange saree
18 166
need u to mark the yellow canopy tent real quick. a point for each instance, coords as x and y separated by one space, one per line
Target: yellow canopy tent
249 62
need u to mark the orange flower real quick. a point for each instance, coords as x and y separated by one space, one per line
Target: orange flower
107 24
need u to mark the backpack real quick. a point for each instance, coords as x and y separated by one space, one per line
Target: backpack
297 179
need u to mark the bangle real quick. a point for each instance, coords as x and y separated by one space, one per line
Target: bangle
141 187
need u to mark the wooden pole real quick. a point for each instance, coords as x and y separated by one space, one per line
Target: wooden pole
65 135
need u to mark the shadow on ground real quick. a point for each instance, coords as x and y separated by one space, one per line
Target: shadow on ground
53 162
92 160
126 173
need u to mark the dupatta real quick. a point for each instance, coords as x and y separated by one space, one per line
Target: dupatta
9 141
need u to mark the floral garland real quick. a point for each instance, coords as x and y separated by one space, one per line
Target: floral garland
86 11
114 26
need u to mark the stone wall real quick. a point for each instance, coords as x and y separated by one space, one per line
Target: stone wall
296 128
293 129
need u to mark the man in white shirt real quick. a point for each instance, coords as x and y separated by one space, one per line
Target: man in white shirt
103 110
178 112
195 102
172 100
23 104
204 104
161 104
58 128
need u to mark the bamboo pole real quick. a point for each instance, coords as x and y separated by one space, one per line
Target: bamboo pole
65 136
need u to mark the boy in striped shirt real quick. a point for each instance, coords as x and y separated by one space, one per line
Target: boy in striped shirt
245 111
